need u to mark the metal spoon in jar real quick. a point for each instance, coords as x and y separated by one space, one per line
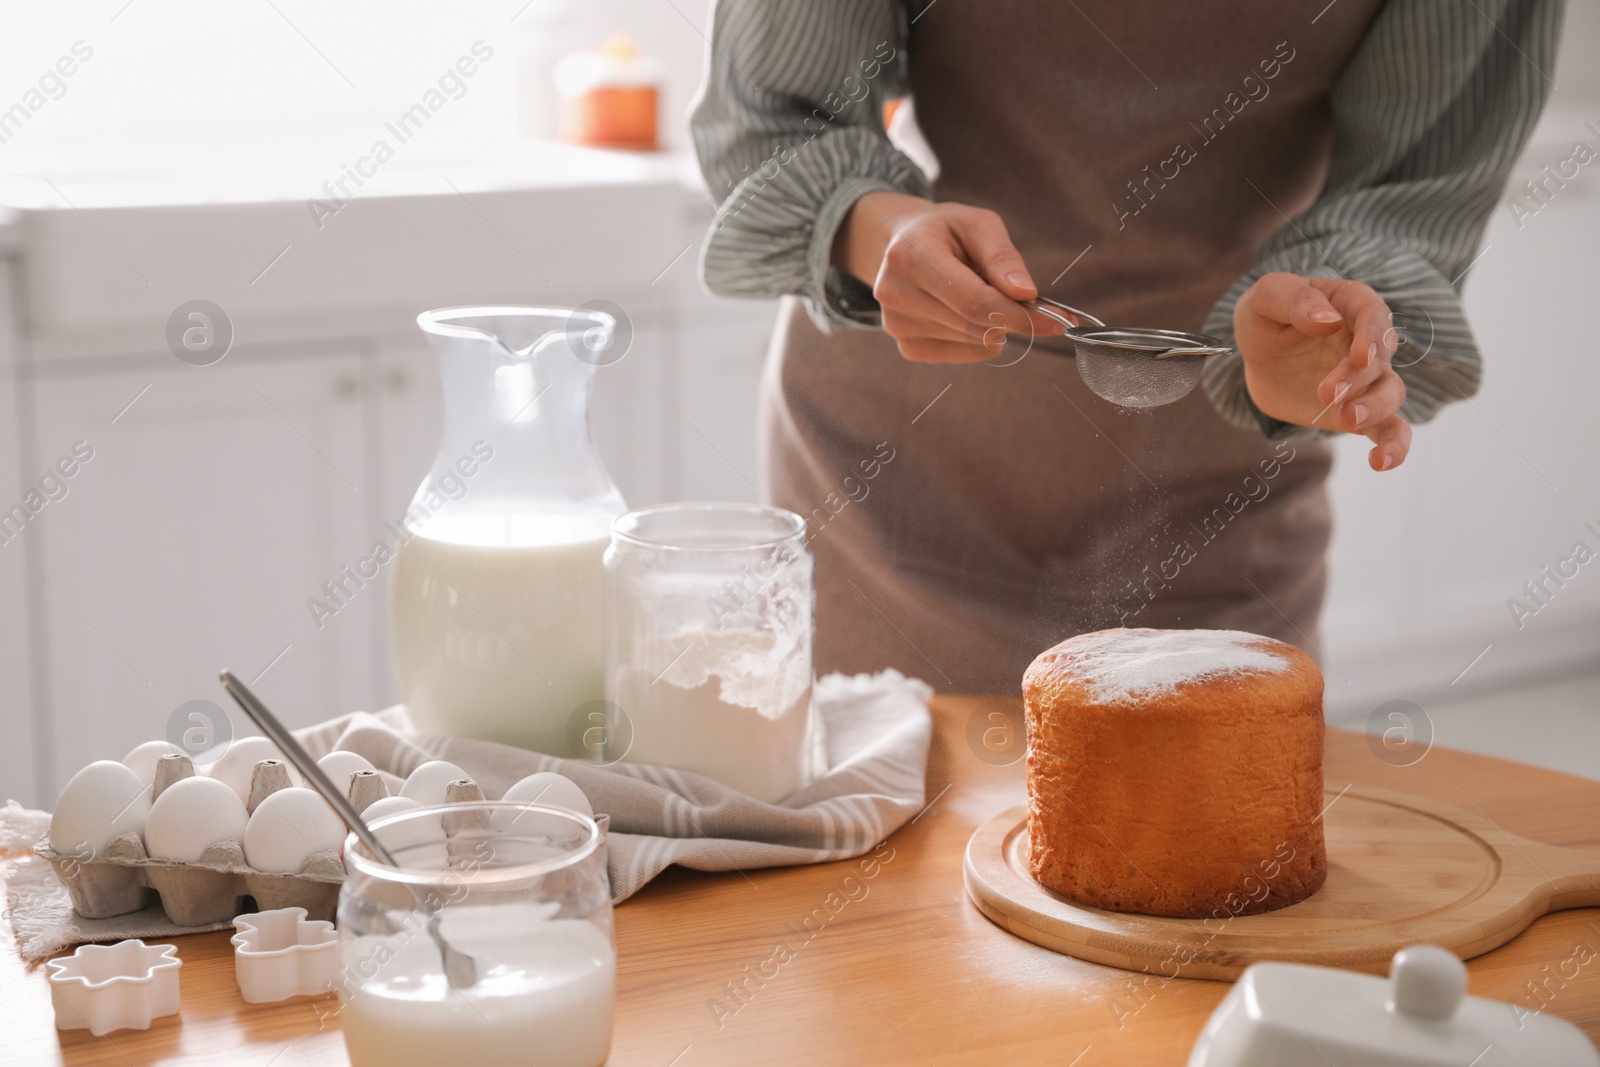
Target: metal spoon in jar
459 968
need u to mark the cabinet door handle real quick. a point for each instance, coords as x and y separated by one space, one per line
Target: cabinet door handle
348 387
398 380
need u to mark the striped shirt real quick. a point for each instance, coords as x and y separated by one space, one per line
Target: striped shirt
1430 115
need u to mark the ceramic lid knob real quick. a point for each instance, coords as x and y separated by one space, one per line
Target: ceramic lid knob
1428 982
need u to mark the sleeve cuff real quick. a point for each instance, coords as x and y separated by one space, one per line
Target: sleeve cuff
774 235
845 299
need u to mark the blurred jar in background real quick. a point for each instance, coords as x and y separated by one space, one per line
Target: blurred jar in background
609 97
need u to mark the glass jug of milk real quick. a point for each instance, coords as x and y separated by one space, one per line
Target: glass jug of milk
498 591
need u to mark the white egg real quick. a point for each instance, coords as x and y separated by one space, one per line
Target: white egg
418 842
427 783
192 815
238 763
100 802
388 806
142 760
552 790
287 827
339 766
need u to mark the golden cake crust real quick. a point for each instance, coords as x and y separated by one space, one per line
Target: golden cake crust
1199 799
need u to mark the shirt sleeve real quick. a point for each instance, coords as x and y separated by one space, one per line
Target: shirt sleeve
788 128
1430 116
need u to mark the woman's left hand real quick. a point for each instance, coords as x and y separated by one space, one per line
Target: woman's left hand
1317 352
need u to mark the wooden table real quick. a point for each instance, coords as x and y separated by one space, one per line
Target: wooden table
896 967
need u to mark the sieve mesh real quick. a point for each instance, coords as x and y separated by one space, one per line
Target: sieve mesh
1131 366
1135 380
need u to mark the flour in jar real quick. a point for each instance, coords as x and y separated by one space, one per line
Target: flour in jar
733 705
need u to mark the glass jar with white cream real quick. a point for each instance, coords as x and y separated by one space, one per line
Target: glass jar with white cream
709 616
520 888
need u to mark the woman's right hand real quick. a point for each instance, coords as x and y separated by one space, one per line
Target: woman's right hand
947 276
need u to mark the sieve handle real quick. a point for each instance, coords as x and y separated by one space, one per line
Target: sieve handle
1195 350
1052 309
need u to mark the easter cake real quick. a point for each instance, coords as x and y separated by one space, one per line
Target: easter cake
1175 772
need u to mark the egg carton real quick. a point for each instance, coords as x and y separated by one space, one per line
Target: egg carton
119 879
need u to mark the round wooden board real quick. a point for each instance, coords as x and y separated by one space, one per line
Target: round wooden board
1401 870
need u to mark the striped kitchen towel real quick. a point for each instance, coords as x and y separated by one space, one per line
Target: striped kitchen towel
873 743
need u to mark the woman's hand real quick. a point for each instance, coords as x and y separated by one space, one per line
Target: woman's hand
1317 352
947 276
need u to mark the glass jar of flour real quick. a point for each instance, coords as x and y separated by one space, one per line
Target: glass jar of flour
708 652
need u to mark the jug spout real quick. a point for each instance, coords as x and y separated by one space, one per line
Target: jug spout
518 382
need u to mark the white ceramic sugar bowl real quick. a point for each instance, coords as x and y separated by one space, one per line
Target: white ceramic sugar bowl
1420 1016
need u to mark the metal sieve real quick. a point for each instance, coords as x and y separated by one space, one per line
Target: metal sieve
1132 366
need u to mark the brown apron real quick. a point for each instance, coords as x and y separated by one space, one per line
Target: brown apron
965 518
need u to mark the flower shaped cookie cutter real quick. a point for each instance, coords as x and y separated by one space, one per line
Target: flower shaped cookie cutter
280 954
101 988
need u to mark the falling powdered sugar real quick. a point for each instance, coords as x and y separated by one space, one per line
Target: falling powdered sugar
1120 665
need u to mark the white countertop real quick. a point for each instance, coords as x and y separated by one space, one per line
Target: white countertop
112 245
88 182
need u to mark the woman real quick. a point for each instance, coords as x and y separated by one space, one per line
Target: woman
1309 182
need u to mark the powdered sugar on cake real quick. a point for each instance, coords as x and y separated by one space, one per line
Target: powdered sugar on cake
1120 665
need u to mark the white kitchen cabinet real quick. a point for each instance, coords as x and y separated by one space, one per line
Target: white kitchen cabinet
212 509
24 744
1426 558
402 400
627 414
405 381
17 754
723 347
